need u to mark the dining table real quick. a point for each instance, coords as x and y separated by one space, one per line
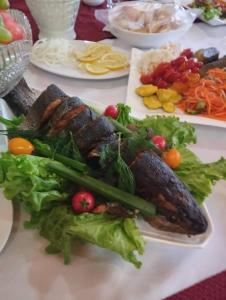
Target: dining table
168 271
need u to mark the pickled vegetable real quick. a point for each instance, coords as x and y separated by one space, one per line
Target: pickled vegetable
146 90
168 95
152 102
169 107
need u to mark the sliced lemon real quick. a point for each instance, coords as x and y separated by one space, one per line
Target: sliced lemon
115 56
114 61
96 69
97 47
91 58
115 65
93 52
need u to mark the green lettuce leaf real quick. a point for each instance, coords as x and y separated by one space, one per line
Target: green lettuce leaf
211 13
26 179
113 233
198 176
177 133
61 227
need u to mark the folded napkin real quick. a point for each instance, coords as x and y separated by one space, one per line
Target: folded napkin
86 27
213 288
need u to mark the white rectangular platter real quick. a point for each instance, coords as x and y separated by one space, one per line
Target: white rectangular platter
139 110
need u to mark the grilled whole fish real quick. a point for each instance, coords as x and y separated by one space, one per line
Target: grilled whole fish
155 181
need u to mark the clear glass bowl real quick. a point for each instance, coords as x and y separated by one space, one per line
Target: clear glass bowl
14 58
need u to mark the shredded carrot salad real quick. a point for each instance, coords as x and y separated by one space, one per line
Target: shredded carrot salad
208 96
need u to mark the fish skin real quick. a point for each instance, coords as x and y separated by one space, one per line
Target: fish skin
48 96
21 98
92 133
160 185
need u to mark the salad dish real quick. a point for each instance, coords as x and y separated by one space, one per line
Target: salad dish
213 12
80 59
189 84
90 176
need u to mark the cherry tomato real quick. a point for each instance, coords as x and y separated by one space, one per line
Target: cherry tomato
199 64
160 83
187 53
83 202
195 70
167 74
146 78
20 146
161 69
172 76
172 158
178 61
191 64
159 141
111 111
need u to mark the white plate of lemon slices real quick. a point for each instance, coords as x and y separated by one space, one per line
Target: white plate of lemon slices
80 59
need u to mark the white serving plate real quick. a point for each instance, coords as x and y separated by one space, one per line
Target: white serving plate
72 71
6 207
149 233
139 110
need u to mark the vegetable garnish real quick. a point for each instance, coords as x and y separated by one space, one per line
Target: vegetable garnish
208 97
46 151
104 189
176 132
16 121
159 141
211 9
200 177
61 227
83 202
25 179
126 179
111 111
20 146
124 114
39 184
172 158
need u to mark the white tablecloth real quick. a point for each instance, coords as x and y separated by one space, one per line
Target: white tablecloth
27 273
